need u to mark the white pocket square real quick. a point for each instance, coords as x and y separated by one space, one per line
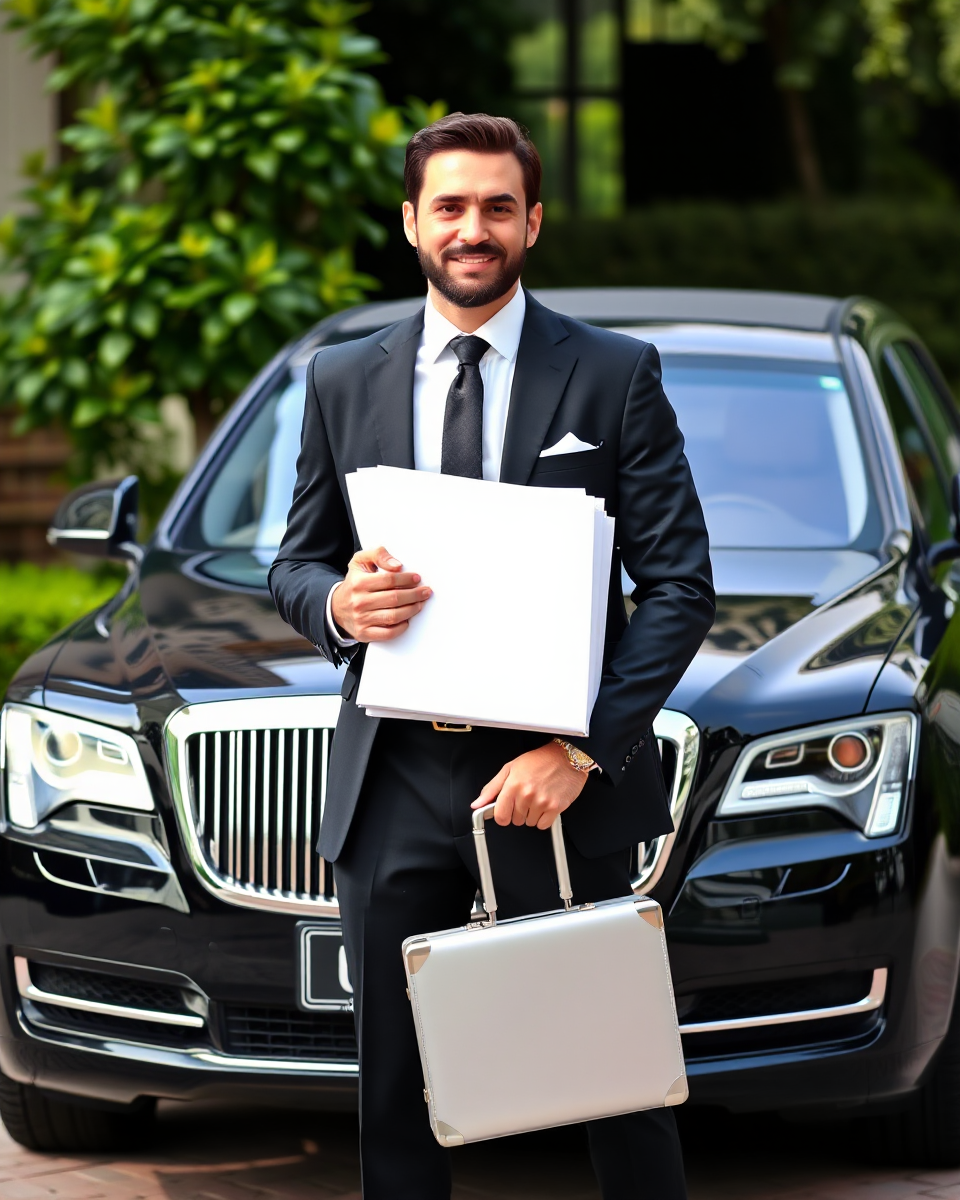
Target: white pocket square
568 444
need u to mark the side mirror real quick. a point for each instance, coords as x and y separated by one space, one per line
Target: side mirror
99 518
944 551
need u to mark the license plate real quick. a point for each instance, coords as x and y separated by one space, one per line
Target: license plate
324 983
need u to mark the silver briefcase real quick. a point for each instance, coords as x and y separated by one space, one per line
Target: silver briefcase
544 1020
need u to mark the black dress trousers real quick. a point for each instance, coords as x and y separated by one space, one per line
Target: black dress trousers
409 867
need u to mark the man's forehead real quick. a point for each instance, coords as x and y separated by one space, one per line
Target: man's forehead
471 175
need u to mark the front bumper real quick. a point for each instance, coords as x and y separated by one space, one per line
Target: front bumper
873 919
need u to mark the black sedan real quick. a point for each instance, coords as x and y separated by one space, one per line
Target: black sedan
169 931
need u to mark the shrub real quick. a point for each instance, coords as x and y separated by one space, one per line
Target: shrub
36 602
219 169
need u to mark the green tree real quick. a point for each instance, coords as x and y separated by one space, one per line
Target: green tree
914 41
213 185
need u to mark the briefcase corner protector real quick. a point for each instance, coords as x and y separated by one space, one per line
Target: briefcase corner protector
446 1135
416 953
678 1093
649 911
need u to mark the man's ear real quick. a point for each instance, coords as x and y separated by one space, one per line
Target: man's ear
410 222
534 220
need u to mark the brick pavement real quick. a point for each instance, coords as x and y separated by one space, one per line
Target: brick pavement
204 1152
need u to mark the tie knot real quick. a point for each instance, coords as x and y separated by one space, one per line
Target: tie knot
469 350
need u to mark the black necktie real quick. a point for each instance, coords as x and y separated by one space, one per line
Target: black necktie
462 450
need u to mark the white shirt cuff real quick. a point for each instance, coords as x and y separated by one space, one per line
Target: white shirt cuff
335 635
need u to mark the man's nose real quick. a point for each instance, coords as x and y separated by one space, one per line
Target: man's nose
473 227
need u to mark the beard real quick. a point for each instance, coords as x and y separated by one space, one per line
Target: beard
470 293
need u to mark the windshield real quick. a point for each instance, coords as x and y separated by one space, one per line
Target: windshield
772 444
773 448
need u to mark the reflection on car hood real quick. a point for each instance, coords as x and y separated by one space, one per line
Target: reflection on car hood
799 637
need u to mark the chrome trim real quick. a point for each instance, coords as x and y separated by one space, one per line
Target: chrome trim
269 713
682 732
164 1056
55 535
29 991
870 1003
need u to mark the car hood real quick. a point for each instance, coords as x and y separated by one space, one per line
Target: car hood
799 635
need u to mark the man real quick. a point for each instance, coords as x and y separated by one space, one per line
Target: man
479 383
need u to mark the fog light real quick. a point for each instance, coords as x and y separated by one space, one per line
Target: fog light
849 752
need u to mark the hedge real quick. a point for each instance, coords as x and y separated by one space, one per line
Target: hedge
36 602
906 254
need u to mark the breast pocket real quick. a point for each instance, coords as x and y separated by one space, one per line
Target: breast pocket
578 460
589 469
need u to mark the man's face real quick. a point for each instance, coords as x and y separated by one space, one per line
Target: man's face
471 226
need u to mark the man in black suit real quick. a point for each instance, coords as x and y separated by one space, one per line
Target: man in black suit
486 382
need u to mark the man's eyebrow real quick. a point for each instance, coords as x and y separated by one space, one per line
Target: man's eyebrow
503 198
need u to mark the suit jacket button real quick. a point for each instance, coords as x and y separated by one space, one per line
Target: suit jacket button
629 757
636 749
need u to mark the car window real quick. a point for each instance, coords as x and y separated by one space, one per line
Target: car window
928 468
246 506
940 421
774 450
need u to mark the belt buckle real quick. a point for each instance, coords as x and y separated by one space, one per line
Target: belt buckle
451 727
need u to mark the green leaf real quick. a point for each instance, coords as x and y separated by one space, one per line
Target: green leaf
88 412
264 164
29 387
145 318
288 141
114 348
239 307
76 373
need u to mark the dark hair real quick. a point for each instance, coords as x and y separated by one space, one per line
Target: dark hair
480 133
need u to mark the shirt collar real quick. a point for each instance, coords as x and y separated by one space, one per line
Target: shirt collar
502 331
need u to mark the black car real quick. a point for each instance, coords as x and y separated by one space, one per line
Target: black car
169 931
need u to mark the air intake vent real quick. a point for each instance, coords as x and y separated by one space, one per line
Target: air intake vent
781 996
107 989
288 1033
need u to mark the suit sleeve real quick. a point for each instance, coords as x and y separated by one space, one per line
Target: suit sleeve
663 544
318 543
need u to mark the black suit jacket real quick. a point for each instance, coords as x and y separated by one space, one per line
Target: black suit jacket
570 377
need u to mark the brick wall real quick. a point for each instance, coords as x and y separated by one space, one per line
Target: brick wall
32 483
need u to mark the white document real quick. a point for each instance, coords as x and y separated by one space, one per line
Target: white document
513 635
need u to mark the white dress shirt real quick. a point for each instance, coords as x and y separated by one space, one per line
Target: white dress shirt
435 370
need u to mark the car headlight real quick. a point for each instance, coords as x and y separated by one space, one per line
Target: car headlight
860 768
50 760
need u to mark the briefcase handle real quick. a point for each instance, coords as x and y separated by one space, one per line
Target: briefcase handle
483 860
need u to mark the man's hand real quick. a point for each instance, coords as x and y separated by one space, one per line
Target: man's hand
377 598
534 788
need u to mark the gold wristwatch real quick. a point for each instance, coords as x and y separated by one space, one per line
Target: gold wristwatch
576 757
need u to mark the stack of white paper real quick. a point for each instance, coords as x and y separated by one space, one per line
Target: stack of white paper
513 634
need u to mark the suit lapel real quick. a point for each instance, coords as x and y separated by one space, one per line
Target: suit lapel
545 360
390 390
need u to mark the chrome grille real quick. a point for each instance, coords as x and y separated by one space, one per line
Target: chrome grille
249 781
257 796
249 784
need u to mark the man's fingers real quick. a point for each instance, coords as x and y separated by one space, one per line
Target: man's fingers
388 617
366 603
492 790
384 581
383 633
377 559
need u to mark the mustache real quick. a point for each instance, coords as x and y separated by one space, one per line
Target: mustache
490 248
